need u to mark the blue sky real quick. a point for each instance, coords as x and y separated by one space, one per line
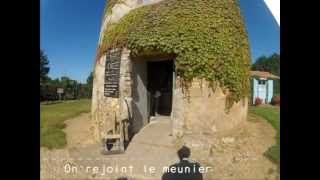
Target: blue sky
69 33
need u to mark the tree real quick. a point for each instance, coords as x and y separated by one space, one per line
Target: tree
44 67
72 88
270 64
90 84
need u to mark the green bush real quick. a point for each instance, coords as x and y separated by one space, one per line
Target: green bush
275 100
258 101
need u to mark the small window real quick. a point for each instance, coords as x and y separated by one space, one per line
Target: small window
262 82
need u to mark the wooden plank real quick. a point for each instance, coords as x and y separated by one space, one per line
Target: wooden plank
113 136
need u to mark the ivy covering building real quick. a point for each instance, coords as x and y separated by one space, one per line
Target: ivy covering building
186 59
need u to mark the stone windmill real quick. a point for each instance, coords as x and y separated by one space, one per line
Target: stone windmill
193 53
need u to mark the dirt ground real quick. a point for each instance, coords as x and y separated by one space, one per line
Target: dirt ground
237 154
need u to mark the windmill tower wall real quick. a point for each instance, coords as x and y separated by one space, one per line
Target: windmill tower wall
106 110
203 113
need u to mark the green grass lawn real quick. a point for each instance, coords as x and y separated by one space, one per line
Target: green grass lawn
272 115
52 117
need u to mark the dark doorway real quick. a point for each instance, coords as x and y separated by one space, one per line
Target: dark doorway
160 85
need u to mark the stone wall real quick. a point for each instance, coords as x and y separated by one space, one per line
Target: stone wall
204 112
106 111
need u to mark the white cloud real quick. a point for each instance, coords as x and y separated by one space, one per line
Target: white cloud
274 6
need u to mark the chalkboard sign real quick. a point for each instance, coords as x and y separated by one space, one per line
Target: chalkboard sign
112 73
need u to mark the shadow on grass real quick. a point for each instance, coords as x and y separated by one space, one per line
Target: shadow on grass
272 115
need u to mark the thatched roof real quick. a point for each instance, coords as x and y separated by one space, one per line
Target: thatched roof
264 74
